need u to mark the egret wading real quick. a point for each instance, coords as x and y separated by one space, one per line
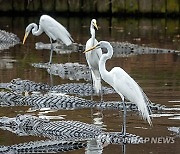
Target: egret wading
123 84
52 28
93 58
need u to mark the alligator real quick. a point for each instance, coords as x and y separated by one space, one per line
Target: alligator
64 102
24 125
43 146
60 48
71 71
81 89
7 40
125 49
18 85
120 49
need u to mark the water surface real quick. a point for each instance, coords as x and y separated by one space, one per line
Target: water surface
158 75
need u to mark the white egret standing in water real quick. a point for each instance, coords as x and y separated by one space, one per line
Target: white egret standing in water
52 28
123 84
93 58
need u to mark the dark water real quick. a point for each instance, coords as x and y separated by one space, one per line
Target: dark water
158 75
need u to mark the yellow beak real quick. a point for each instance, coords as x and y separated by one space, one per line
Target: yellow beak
95 25
92 48
25 37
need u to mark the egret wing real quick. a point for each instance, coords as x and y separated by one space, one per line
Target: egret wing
55 30
125 85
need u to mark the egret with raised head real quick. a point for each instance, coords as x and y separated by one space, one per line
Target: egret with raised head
93 58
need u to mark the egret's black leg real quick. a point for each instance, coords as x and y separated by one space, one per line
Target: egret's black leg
50 59
51 80
92 87
124 148
124 119
101 93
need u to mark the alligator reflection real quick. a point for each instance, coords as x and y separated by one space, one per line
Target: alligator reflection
175 130
93 147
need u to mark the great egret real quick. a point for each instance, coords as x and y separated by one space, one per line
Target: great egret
123 84
93 57
52 28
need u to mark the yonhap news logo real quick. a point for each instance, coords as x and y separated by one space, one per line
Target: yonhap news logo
159 140
151 140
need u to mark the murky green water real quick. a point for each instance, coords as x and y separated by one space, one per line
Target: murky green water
158 75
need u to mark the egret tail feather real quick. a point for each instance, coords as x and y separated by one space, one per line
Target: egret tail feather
145 111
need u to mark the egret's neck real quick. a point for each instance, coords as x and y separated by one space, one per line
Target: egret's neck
102 67
35 30
93 33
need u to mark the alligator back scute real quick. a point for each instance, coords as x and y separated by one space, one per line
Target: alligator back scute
47 146
7 40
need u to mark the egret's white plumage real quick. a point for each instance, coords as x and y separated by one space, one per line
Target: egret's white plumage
123 84
93 57
52 28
